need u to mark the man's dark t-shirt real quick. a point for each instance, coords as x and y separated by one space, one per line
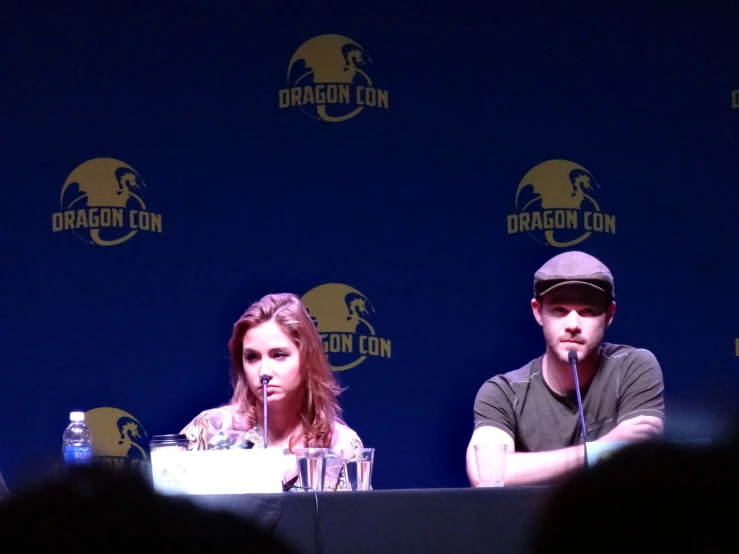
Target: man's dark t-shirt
626 384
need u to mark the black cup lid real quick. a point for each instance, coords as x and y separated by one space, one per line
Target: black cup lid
168 438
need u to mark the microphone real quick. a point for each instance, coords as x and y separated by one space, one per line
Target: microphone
265 380
572 357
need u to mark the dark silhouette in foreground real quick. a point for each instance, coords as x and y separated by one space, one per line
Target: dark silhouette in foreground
92 509
651 497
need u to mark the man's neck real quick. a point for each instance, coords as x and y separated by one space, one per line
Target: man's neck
558 373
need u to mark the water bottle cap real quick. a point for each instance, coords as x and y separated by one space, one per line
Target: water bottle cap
77 416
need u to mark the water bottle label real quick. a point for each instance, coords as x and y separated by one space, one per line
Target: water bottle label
77 454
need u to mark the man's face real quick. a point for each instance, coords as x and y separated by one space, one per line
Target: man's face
573 317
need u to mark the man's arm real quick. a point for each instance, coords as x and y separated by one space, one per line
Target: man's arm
637 428
495 424
523 468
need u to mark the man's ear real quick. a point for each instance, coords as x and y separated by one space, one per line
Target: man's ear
536 307
609 313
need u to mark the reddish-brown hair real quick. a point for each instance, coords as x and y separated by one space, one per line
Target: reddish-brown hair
319 407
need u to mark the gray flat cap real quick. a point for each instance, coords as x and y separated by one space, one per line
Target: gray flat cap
574 268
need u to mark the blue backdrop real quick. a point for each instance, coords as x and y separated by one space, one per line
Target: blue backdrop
166 166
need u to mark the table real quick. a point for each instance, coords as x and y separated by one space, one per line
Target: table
404 521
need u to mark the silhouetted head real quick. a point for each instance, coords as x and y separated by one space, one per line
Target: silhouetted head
92 509
648 497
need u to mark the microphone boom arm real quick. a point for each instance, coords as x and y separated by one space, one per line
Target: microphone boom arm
572 357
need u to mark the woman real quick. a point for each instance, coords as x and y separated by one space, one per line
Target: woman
276 338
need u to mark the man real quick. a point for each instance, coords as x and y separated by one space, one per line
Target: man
533 410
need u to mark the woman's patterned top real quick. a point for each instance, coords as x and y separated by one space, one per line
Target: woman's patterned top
225 427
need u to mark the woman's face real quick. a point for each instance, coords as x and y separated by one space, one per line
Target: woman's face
267 350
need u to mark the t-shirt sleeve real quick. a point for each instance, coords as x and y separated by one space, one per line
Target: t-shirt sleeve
493 407
641 391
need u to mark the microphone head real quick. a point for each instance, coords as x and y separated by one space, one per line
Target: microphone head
572 356
264 378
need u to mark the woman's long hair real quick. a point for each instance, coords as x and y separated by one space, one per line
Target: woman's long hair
319 407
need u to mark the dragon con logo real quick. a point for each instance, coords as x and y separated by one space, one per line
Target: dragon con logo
341 314
101 204
118 440
556 205
327 80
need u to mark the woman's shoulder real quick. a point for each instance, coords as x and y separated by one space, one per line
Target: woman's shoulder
225 423
345 436
222 417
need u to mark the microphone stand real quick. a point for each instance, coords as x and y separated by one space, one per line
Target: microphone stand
265 380
572 356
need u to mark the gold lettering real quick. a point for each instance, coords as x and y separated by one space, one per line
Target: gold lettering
559 219
382 98
132 219
94 220
611 224
385 348
572 219
334 343
308 95
337 342
156 223
284 98
359 96
371 96
547 217
81 219
144 221
736 346
320 95
536 222
105 217
525 221
332 94
512 223
69 220
598 221
118 217
57 221
735 99
295 98
344 94
374 346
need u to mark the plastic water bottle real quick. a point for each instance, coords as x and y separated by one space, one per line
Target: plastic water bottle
77 440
